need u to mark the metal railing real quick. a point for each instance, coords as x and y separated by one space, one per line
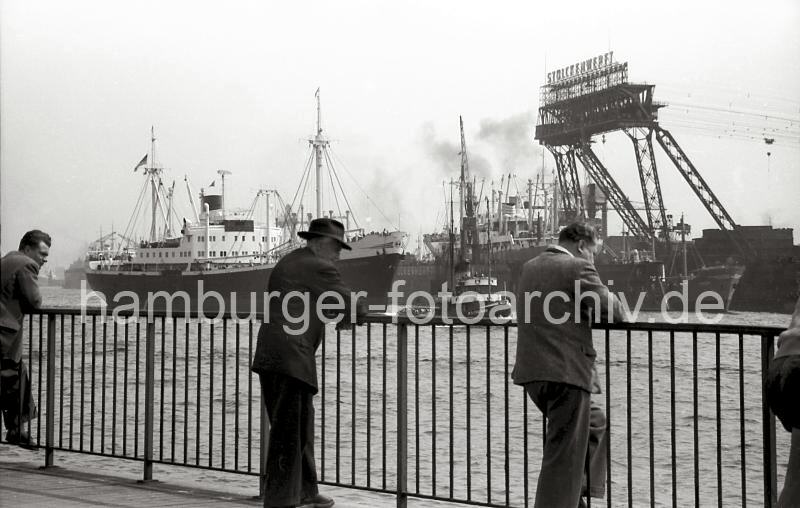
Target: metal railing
426 411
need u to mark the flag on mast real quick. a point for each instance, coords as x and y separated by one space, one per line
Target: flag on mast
316 94
141 163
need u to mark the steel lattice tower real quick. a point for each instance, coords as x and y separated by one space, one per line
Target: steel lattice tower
594 97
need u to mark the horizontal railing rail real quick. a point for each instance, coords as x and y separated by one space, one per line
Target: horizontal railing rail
415 410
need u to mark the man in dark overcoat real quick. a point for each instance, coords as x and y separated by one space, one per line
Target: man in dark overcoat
560 292
286 364
19 293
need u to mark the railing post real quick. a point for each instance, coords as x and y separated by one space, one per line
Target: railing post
262 452
402 412
768 431
51 390
149 398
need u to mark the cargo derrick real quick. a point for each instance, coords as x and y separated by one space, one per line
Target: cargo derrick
594 97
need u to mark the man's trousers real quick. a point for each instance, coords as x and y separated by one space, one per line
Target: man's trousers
576 434
16 401
291 474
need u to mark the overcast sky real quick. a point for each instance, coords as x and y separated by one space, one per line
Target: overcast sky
230 85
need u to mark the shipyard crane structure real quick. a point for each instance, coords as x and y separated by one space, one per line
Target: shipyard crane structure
594 97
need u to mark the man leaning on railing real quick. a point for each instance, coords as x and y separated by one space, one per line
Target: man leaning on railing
19 293
559 294
286 364
783 389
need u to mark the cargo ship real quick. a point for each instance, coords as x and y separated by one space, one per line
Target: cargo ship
500 233
771 278
223 258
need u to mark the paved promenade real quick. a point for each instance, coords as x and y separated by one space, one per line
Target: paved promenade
23 483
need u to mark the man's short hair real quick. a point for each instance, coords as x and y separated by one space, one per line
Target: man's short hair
578 231
33 238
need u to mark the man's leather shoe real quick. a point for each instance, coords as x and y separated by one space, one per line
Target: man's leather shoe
19 438
318 501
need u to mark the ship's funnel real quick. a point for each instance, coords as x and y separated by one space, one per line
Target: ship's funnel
214 201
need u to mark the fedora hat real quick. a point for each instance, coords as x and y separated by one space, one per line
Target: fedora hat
325 227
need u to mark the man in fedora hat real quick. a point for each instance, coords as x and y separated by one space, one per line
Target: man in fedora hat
286 364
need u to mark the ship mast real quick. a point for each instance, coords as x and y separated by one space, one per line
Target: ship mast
318 142
153 173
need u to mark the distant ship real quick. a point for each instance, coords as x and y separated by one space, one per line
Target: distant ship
228 253
499 233
771 278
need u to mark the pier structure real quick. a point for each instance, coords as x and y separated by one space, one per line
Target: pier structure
594 97
408 413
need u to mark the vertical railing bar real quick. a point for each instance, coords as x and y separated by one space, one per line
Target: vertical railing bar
51 389
114 396
236 401
71 379
83 383
742 428
629 414
163 351
31 367
125 394
719 423
488 419
186 359
61 393
91 403
416 406
402 410
210 394
39 384
434 429
223 409
338 402
507 460
149 396
469 414
250 398
673 444
608 415
525 485
353 404
768 423
197 408
650 417
369 404
264 424
452 412
695 421
136 391
322 391
174 384
103 389
385 393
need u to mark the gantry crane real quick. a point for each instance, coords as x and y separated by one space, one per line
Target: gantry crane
588 99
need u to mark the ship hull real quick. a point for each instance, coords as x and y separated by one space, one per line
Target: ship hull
768 286
642 284
240 290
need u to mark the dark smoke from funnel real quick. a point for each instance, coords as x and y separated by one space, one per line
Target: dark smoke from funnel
512 139
447 155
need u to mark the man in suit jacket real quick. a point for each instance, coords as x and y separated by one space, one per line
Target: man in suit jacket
559 294
286 364
783 394
19 293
